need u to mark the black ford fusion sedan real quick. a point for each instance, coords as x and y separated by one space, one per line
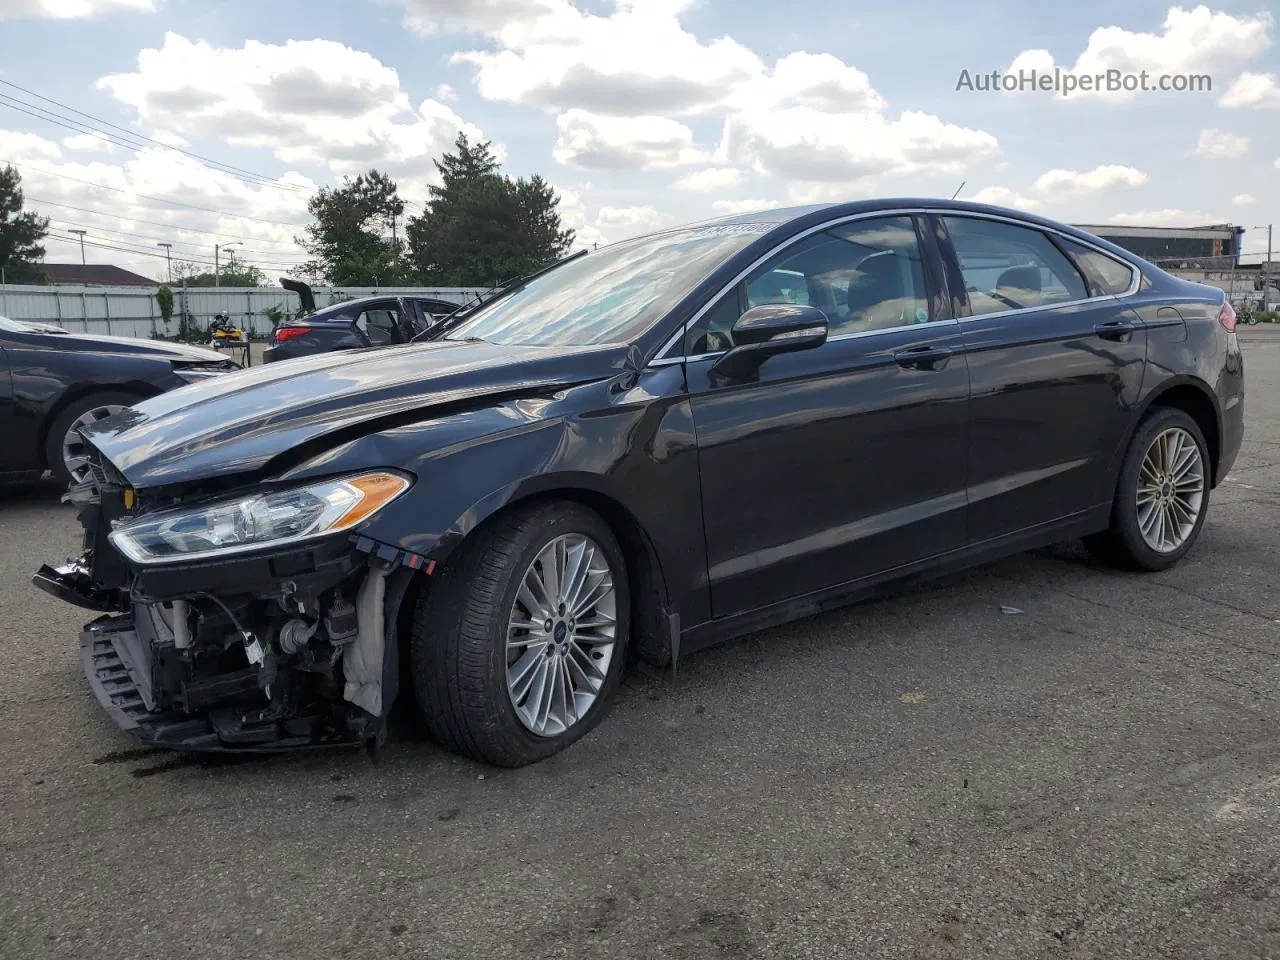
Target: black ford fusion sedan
660 444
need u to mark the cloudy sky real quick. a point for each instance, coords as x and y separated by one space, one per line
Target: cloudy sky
197 122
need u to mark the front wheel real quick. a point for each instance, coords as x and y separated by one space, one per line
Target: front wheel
1162 496
518 646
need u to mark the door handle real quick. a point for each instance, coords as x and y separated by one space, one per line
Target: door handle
923 358
1120 330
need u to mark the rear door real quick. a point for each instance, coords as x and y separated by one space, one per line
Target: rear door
1056 367
843 460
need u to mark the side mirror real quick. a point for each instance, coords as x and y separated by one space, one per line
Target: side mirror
768 330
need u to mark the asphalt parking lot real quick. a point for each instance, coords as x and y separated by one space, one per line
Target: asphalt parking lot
924 776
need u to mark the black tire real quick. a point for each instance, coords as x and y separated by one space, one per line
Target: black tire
1123 544
458 645
69 415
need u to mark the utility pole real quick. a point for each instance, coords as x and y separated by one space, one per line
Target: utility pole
216 248
81 233
168 262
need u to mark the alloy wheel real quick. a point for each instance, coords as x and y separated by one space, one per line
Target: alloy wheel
75 453
561 634
1170 490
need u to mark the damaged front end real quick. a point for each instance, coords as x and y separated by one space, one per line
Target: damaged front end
256 623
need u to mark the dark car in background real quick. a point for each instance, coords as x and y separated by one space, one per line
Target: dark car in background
661 444
352 324
53 382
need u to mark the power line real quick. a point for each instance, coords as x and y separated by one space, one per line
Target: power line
161 223
147 253
146 236
143 196
188 258
224 167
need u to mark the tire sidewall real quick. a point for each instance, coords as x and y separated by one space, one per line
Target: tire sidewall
549 525
1126 507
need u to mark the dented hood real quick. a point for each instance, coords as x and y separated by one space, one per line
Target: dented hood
236 424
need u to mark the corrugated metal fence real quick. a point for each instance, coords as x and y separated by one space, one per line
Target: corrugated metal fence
132 311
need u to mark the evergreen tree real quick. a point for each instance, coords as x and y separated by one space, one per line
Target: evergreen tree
481 227
20 233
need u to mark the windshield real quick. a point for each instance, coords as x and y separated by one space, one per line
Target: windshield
611 295
20 326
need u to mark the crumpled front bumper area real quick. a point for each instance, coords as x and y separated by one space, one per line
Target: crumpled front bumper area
126 658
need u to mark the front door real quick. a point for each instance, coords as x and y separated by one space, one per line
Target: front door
1056 363
840 461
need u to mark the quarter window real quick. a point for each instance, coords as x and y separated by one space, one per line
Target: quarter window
865 275
1007 267
1106 274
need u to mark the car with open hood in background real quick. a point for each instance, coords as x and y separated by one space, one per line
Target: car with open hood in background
54 382
375 321
647 449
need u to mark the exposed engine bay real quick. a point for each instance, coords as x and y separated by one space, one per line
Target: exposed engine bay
285 648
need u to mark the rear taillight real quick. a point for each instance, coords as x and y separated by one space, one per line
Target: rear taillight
1227 317
281 334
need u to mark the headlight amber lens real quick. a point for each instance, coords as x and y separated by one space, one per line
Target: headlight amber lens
261 520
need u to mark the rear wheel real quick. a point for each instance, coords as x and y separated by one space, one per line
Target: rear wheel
65 450
518 647
1162 496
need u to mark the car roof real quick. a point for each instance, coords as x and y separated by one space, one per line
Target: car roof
791 219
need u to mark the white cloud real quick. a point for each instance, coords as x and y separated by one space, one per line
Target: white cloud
1004 197
627 216
1219 144
743 206
95 142
713 178
313 103
805 144
810 118
1165 218
573 213
636 60
1071 183
146 198
1244 200
1191 41
1253 90
70 9
446 93
620 143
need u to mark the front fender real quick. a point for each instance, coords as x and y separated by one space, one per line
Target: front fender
633 446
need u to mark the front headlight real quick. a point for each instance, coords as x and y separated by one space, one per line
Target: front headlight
269 519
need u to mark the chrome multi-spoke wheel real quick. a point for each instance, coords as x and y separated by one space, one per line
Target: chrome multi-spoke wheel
75 455
560 634
1171 484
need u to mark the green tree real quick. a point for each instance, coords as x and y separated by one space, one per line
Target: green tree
480 227
20 233
354 240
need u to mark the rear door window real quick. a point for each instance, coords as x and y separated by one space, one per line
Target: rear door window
1008 267
380 324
